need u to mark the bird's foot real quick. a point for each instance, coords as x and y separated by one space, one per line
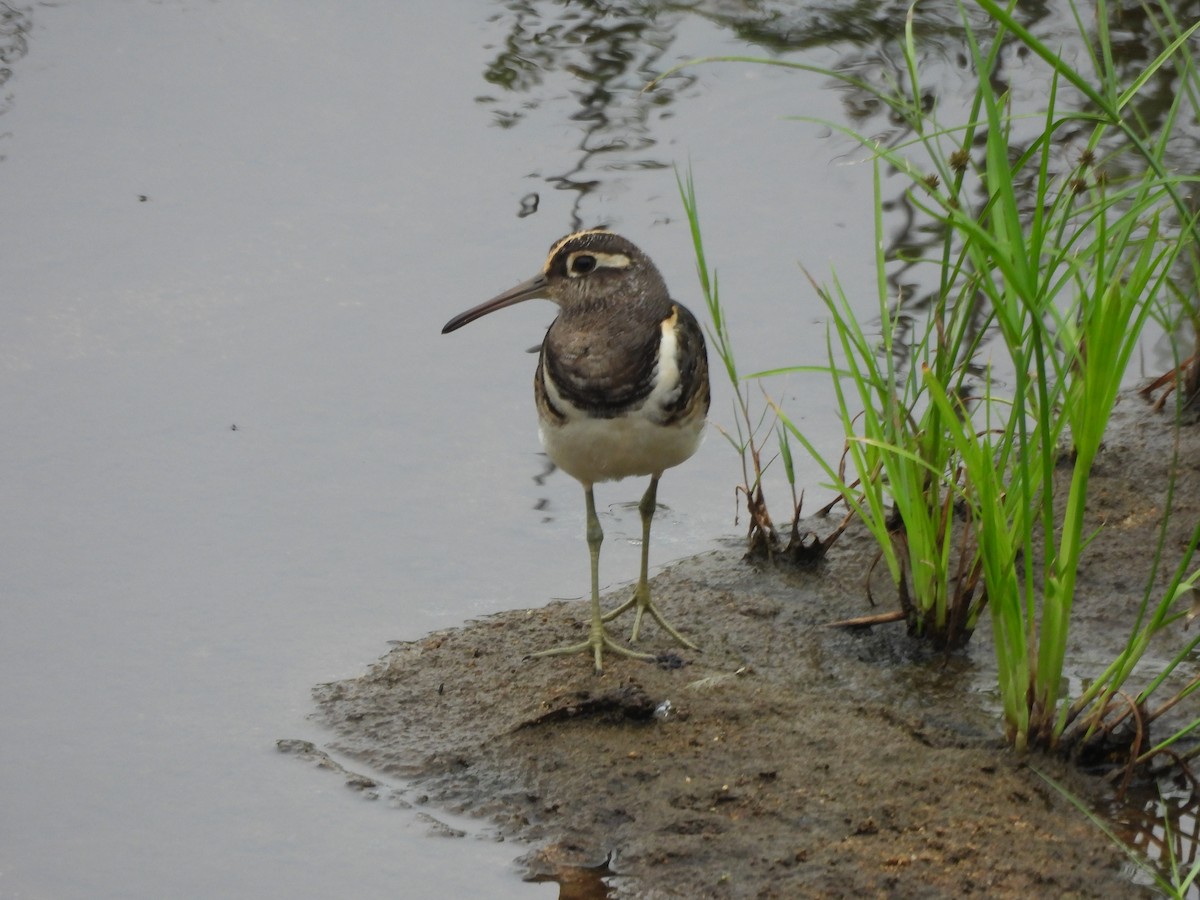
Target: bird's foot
641 603
597 642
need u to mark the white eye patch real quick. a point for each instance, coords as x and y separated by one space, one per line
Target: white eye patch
581 262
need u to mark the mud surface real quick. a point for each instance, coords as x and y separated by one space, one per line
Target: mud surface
787 759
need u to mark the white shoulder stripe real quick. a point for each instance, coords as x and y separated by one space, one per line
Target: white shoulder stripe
667 383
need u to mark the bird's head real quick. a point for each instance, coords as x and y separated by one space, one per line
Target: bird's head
585 270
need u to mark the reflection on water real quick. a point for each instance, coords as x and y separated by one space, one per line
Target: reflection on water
1162 824
15 25
575 882
607 53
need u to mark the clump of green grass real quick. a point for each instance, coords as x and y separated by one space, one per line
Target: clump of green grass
1070 287
955 474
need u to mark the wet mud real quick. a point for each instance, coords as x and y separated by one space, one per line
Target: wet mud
788 758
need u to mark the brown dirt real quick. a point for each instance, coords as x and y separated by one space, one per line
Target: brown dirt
788 759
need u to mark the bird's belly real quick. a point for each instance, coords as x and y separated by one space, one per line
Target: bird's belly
592 450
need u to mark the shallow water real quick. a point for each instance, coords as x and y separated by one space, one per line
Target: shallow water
240 458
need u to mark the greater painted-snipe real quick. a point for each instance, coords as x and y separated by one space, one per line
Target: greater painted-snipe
621 389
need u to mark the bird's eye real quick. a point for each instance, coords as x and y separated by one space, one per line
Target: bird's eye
582 264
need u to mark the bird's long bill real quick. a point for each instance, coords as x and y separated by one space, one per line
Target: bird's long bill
526 290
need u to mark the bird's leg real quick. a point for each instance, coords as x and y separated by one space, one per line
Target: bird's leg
640 602
598 638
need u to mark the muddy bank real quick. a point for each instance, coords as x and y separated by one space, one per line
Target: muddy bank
787 759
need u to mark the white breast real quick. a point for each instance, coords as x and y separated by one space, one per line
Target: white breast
635 443
593 450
